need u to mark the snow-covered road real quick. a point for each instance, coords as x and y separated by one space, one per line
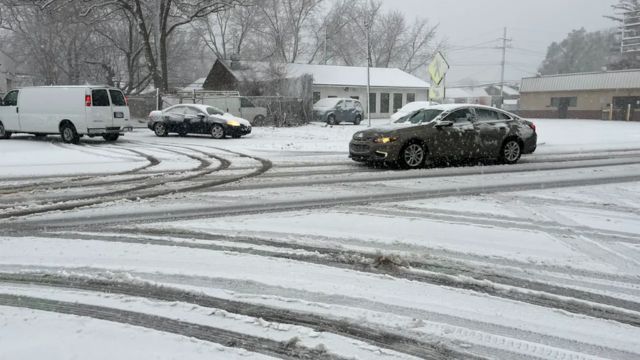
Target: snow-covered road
277 245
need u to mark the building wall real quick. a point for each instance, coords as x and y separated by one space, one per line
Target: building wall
360 93
7 73
589 104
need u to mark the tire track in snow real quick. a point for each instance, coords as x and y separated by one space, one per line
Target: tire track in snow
376 336
499 285
488 339
128 194
202 332
78 181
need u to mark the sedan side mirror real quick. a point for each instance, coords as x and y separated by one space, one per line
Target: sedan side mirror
443 123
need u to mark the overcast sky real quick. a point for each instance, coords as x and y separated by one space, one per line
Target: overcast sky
532 24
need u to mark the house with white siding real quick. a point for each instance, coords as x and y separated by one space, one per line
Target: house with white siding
390 89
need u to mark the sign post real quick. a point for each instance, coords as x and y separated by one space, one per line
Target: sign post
438 71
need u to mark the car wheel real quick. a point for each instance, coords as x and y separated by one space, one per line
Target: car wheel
217 131
413 156
259 119
4 134
331 120
160 129
111 137
511 151
357 120
68 133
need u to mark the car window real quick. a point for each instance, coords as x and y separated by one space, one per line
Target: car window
421 116
100 97
176 110
486 115
348 105
460 116
358 106
191 111
340 105
11 99
117 98
214 111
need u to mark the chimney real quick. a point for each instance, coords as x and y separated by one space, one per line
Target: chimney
235 62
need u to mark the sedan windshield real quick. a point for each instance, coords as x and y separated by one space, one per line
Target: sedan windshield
214 111
418 117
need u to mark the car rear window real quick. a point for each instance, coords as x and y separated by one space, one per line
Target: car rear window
100 98
117 98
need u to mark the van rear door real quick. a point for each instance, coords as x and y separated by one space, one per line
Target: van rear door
120 110
101 116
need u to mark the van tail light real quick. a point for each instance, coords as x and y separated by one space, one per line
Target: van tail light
87 100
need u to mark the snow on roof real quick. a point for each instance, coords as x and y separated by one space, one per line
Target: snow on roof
466 92
612 80
327 75
333 75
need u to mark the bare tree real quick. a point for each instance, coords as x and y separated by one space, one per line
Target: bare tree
225 32
157 21
284 24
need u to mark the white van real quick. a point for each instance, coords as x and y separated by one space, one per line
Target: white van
71 111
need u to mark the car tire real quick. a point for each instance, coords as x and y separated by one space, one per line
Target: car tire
412 156
511 151
111 137
259 119
217 131
357 120
4 134
331 120
160 129
68 133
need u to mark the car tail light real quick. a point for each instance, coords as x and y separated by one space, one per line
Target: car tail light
532 126
87 100
126 100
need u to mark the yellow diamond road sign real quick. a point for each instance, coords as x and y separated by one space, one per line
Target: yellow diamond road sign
438 69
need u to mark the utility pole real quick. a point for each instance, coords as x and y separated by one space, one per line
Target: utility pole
367 28
505 42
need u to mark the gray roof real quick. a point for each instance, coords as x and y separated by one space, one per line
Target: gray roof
330 75
611 80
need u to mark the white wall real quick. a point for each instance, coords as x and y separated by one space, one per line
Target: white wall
361 93
7 72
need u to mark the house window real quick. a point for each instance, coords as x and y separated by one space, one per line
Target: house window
564 101
332 96
316 96
355 97
384 103
411 97
397 102
372 103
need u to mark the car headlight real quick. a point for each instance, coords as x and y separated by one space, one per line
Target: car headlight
385 139
233 123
